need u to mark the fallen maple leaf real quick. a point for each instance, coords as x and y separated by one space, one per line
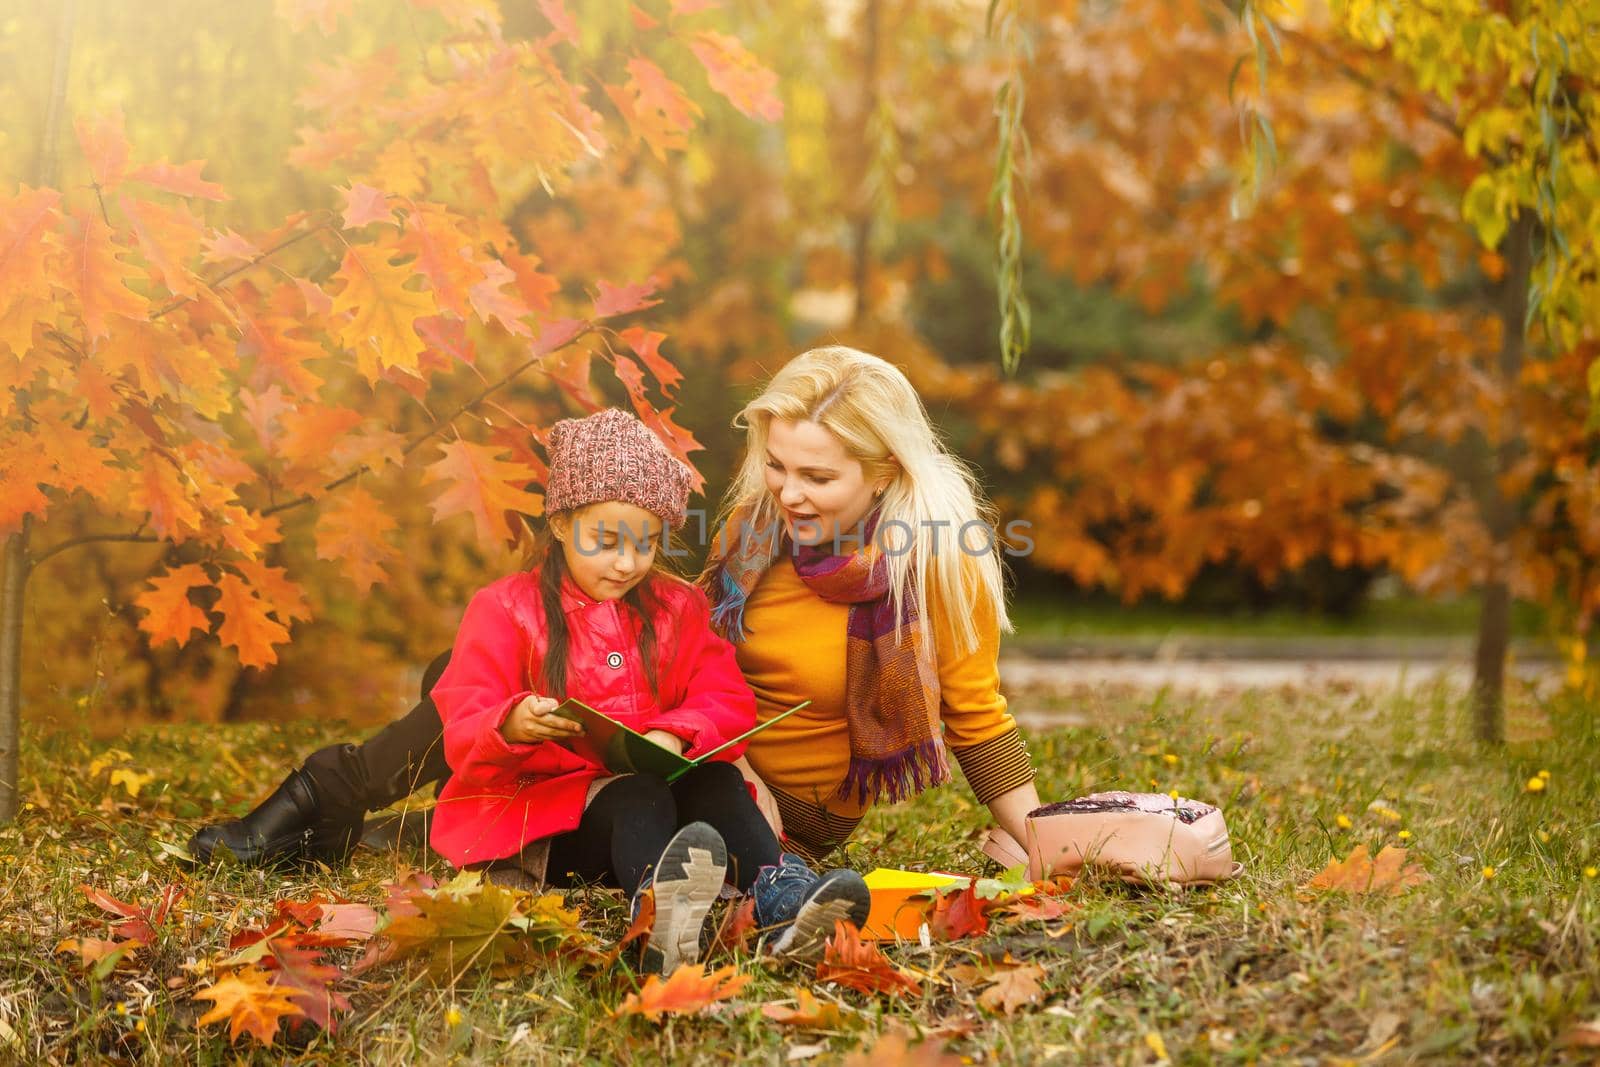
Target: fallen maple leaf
142 921
91 950
1037 907
250 1002
856 964
1390 872
349 922
894 1049
808 1012
466 923
689 990
308 980
1011 988
738 926
959 913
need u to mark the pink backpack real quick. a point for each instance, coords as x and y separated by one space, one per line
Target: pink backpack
1145 837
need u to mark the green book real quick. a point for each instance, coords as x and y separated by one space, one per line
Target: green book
623 750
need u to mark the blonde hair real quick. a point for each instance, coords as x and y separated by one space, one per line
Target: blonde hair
873 411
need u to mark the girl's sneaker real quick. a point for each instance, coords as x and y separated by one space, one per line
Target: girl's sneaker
801 907
685 881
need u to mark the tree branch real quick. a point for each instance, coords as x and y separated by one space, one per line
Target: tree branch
133 537
438 425
241 268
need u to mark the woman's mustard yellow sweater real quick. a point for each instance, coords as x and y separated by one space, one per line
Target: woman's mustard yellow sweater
794 650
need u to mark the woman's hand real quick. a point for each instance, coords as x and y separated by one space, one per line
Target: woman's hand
532 720
671 742
764 800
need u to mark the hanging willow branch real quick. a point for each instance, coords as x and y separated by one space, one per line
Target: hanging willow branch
1007 27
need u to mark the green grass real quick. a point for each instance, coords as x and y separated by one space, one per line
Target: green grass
1040 617
1461 969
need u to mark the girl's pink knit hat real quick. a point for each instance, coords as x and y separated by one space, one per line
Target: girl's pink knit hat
611 455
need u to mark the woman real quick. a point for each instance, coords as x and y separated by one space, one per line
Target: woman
856 567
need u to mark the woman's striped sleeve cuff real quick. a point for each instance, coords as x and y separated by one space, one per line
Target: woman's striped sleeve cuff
996 766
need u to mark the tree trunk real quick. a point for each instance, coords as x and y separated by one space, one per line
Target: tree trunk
11 600
867 195
18 563
1501 515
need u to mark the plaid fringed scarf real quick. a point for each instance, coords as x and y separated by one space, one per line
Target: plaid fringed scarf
891 690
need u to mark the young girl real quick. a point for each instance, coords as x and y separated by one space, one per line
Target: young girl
593 620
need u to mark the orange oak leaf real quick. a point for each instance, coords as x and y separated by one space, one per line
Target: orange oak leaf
808 1012
167 236
280 354
181 178
225 246
169 613
363 204
381 330
1012 988
738 75
350 531
621 299
655 107
489 301
26 222
856 964
159 491
537 288
1390 872
246 624
139 921
287 598
98 278
646 345
689 990
250 1003
310 432
630 375
105 147
483 486
679 442
442 253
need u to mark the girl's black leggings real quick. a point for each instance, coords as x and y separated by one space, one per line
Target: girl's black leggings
631 820
623 830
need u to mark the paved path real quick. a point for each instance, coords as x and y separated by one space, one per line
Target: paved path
1019 674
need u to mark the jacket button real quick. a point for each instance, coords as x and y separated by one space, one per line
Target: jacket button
614 661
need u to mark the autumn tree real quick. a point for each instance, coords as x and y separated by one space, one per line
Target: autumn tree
219 392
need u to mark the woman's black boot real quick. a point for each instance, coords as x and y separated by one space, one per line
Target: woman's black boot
276 833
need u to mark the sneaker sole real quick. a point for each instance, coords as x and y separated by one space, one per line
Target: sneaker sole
806 938
688 879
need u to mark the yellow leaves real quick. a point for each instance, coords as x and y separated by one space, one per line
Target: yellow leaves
250 1003
485 487
689 990
381 330
1390 872
656 108
808 1012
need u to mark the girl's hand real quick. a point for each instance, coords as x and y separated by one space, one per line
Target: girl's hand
668 741
531 720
